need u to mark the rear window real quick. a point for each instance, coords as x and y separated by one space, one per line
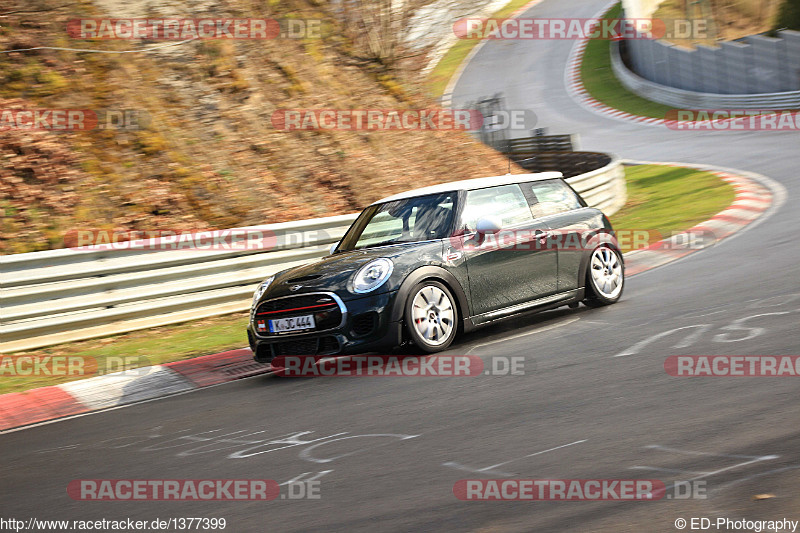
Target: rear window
505 203
551 197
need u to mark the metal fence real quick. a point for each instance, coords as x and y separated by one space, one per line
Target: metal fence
58 296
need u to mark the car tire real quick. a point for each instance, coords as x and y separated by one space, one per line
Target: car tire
605 277
431 316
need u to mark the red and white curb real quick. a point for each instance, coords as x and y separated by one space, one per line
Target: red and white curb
756 196
123 388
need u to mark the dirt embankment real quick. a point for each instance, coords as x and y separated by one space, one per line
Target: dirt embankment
725 20
207 155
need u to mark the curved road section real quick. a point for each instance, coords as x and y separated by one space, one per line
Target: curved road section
594 401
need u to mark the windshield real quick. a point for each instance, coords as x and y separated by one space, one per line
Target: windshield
410 220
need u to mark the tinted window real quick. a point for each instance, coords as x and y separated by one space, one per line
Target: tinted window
506 203
551 198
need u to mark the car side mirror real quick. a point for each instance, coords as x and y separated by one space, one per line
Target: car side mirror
333 248
488 225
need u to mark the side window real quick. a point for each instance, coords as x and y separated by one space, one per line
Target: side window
551 197
506 203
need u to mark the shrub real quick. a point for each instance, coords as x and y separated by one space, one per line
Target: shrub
789 15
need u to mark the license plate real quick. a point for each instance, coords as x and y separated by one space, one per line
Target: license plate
296 323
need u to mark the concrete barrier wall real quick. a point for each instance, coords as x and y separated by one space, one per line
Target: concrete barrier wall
687 99
756 65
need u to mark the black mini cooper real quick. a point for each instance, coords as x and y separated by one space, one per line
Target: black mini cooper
421 266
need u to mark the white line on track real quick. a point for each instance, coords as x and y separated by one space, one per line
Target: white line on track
668 470
539 453
702 475
491 469
711 454
754 476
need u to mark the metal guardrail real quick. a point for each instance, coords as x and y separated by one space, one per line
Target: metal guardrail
542 143
682 99
57 296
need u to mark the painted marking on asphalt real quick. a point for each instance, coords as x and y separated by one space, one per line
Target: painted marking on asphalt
491 469
668 470
306 453
754 476
685 343
752 459
740 465
299 479
708 454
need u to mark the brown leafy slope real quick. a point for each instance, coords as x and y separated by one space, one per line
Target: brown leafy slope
209 156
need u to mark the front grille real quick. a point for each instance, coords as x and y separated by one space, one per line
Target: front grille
365 323
294 302
327 345
327 314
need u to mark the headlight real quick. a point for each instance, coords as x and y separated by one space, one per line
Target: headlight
260 290
372 275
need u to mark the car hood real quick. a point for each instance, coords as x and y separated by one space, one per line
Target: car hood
332 273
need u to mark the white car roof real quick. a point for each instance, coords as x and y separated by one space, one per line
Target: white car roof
468 185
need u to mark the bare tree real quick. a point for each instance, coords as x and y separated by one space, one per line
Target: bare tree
377 27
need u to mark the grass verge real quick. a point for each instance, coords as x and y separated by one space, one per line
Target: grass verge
662 198
446 67
670 199
601 83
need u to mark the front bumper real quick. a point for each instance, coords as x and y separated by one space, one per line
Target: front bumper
365 326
